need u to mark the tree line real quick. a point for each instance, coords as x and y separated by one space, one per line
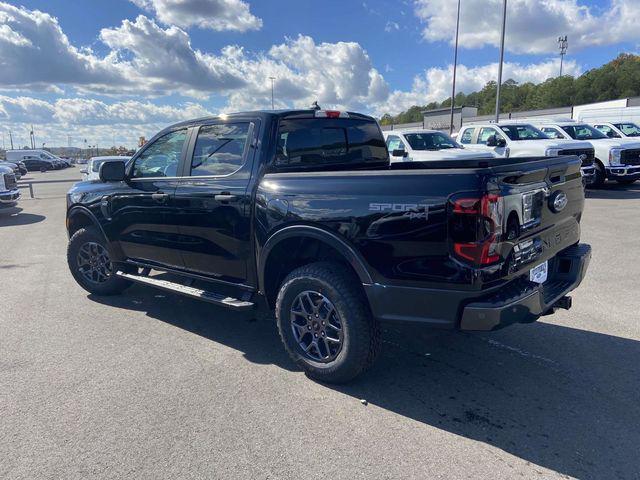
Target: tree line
619 78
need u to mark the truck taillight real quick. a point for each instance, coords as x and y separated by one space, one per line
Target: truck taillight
475 228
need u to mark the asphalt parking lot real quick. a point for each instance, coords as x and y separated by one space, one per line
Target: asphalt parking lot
151 385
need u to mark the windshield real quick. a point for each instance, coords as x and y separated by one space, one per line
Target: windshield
583 132
430 141
629 129
523 132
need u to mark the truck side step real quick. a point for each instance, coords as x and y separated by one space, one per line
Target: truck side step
193 292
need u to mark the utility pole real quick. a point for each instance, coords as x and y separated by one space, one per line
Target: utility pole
455 66
272 80
563 44
11 139
504 25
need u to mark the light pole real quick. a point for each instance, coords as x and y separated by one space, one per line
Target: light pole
563 44
272 80
11 139
455 66
504 24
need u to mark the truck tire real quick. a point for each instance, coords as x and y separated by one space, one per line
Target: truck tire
601 176
90 264
325 323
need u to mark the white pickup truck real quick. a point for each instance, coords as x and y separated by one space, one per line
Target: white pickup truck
619 129
419 145
615 158
516 139
9 193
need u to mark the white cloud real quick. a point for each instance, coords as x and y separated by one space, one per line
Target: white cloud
334 74
35 53
533 26
434 84
219 15
391 26
164 60
92 119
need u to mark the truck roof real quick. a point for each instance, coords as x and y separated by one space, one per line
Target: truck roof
266 114
410 130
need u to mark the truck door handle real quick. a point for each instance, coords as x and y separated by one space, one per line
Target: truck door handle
159 197
224 197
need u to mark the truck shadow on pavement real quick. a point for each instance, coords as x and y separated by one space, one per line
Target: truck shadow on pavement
558 397
15 217
613 191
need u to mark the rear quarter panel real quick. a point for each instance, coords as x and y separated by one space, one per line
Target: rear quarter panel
396 221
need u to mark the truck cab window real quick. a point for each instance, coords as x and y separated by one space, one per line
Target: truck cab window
161 158
220 149
394 143
466 136
339 143
551 132
485 133
608 131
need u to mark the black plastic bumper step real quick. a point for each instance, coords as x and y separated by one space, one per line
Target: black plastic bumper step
193 292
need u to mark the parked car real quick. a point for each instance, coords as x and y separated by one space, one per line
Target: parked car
14 168
424 145
302 210
615 158
34 164
513 139
52 162
9 193
93 166
82 161
619 130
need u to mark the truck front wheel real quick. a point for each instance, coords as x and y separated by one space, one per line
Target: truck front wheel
325 323
90 263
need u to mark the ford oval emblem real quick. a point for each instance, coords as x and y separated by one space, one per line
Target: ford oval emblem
558 201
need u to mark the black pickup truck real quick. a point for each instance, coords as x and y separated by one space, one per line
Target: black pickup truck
300 211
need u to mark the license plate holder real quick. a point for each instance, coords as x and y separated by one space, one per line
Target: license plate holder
539 274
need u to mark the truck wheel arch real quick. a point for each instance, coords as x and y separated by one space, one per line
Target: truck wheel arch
269 257
79 217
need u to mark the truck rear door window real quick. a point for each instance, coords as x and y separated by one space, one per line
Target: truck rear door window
219 149
322 142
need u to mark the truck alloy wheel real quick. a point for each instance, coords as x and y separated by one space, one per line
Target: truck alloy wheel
94 263
325 323
316 326
91 265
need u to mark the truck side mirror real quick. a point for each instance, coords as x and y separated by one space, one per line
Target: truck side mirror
501 142
492 141
112 171
399 153
612 134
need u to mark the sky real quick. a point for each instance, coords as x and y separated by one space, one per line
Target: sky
109 71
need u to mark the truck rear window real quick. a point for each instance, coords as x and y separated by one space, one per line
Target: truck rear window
323 143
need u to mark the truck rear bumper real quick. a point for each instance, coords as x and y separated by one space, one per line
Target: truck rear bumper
519 301
524 301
